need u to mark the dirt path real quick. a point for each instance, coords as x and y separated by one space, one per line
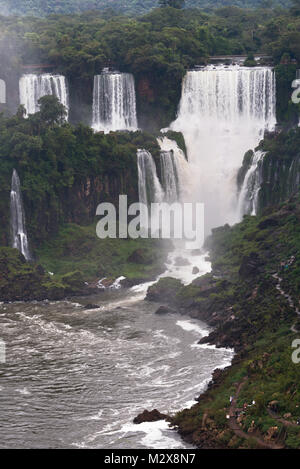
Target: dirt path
234 426
288 297
284 422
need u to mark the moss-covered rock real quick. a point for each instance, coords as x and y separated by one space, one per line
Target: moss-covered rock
165 290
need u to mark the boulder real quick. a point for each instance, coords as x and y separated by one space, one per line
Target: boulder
181 262
150 416
91 306
196 270
165 310
164 290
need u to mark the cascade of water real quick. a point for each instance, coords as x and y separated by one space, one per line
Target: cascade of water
150 189
33 87
17 218
223 112
248 197
174 170
114 102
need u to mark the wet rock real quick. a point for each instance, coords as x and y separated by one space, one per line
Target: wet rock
165 310
181 262
91 306
196 270
150 416
165 290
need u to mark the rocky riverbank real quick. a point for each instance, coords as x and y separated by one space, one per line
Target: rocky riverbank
248 313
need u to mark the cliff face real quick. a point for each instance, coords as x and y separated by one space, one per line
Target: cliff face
78 203
280 178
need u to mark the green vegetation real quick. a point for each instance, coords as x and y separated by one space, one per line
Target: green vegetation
65 171
46 7
157 48
240 298
24 281
78 248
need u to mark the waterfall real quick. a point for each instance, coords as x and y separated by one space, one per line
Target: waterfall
174 171
33 87
114 102
17 218
223 112
248 197
150 189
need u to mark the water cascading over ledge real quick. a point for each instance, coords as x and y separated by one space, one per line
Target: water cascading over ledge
17 218
114 102
223 113
33 87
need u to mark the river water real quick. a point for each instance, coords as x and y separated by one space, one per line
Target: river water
76 378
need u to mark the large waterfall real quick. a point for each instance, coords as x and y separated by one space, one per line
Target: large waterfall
114 102
17 218
223 112
33 87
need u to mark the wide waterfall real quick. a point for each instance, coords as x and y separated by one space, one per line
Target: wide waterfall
17 218
114 102
223 113
33 87
248 197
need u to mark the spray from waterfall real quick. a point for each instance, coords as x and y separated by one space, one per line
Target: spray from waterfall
33 87
223 113
17 218
114 102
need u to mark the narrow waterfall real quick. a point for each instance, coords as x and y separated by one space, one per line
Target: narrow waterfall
17 218
223 112
174 171
248 197
150 189
114 102
33 87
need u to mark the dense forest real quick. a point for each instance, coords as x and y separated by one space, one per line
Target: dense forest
157 48
46 7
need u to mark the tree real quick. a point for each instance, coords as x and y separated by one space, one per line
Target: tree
172 3
51 110
295 9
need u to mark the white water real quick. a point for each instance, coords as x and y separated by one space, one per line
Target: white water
114 102
223 113
248 197
150 189
17 218
33 87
